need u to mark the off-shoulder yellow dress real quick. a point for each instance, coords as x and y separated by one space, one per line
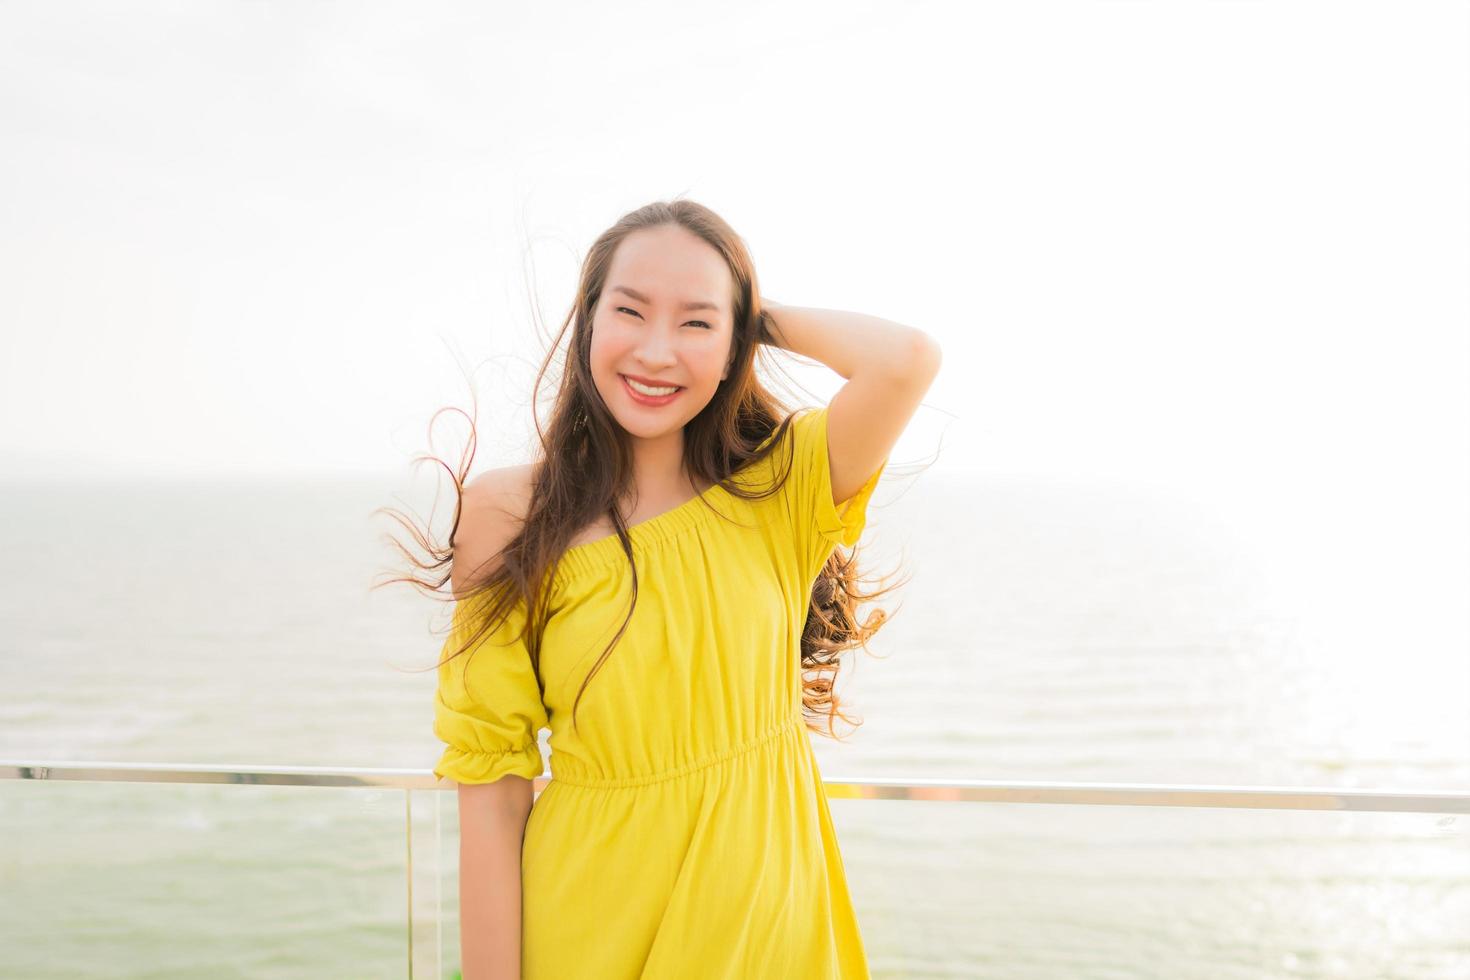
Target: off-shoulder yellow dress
685 831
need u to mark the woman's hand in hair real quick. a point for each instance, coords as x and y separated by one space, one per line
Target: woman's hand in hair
768 327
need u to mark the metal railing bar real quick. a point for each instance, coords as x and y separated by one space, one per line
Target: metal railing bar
872 788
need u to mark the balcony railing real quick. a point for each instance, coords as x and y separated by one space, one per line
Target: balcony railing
934 790
427 918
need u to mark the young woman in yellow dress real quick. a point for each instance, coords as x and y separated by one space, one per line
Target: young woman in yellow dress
664 589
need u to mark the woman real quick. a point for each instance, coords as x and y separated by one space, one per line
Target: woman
676 539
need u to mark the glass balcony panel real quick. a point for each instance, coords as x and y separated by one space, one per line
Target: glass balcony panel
128 879
174 880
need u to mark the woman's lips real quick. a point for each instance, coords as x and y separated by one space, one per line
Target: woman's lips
649 400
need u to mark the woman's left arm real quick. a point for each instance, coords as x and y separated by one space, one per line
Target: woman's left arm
850 342
888 366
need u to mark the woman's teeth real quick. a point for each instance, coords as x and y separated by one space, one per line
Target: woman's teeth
645 389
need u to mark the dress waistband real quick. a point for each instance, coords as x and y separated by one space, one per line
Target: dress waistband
558 775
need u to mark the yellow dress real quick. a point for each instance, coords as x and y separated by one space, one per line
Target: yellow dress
685 830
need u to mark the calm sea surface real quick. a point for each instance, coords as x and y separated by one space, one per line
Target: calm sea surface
1049 631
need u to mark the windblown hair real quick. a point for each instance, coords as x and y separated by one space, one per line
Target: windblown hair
585 467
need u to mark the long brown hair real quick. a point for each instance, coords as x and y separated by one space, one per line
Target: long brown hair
585 468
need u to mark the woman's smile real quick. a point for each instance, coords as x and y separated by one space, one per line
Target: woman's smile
647 396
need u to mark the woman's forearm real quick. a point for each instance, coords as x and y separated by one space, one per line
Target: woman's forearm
490 893
845 342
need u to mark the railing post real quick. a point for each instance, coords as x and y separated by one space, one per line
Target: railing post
408 849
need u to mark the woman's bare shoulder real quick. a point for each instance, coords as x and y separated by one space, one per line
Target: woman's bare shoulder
492 510
504 488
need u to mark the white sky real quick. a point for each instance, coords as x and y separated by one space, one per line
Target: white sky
1216 248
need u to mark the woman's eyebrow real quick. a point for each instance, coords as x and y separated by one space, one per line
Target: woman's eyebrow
693 305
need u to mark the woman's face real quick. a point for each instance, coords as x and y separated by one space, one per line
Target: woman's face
664 315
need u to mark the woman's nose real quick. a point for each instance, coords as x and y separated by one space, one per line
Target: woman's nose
656 348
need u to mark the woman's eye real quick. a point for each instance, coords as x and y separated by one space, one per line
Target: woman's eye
620 309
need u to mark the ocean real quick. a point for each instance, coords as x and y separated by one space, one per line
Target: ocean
1051 630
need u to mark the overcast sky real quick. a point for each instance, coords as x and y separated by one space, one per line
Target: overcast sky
1214 248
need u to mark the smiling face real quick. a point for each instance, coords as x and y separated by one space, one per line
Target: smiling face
665 317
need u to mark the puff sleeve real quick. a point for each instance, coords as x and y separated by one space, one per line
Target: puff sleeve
818 523
487 708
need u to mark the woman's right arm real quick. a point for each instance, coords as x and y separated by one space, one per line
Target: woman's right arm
492 816
492 827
